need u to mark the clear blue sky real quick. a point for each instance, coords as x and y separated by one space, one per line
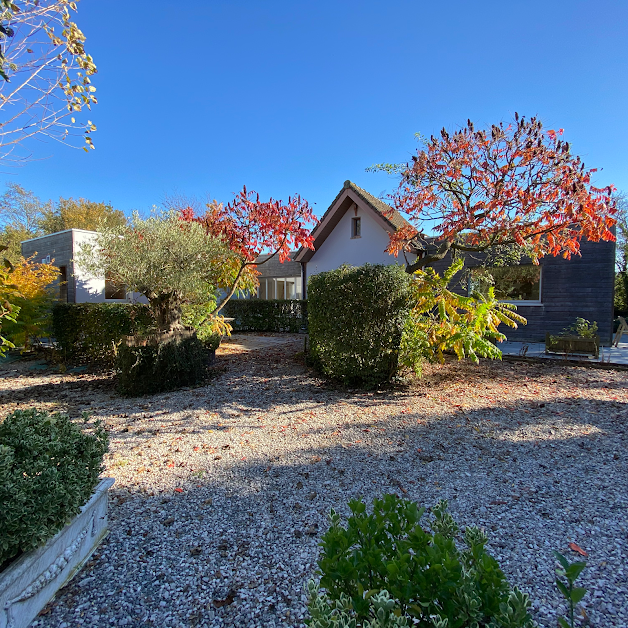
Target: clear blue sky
292 97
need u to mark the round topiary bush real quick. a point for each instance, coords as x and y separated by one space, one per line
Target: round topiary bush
356 318
49 467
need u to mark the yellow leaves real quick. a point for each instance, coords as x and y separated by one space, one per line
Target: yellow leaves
32 278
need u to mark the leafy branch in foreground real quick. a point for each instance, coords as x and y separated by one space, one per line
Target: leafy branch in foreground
442 320
45 74
573 595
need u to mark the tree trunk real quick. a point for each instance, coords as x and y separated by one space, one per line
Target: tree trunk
167 311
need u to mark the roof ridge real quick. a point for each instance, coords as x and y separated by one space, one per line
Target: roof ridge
387 211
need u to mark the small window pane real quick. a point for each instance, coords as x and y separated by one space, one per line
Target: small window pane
281 285
261 291
290 291
114 290
63 284
512 283
355 227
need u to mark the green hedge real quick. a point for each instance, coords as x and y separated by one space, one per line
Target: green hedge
91 331
48 469
144 370
271 315
355 320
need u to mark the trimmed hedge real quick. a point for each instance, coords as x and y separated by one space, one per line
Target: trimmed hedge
272 315
91 331
153 368
48 470
355 318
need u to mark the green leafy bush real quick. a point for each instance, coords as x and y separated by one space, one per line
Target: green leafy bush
198 314
582 327
156 367
433 580
356 317
444 321
339 613
48 470
271 315
92 332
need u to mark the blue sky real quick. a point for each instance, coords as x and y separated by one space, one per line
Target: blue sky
203 97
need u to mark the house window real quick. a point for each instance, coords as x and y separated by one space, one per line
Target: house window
512 283
355 227
113 290
284 288
63 284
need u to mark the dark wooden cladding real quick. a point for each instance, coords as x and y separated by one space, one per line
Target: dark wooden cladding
580 287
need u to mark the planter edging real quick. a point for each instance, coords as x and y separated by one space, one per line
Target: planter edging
575 345
30 582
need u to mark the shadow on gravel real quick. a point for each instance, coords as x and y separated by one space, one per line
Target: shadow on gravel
248 534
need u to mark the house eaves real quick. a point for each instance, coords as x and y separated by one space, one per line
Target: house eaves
389 219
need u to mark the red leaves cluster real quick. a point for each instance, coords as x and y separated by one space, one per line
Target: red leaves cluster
516 185
251 227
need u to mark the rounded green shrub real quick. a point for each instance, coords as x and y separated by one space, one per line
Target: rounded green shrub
157 367
49 467
356 317
387 564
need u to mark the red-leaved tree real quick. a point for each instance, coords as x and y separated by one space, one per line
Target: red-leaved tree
251 227
511 185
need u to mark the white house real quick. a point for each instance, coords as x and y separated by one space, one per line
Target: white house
354 230
74 284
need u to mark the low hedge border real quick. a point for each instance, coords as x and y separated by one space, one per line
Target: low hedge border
272 315
91 332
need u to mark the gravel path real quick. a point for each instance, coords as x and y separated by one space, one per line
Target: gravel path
222 491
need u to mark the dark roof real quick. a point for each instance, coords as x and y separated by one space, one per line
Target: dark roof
390 214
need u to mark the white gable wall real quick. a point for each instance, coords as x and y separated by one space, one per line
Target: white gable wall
340 248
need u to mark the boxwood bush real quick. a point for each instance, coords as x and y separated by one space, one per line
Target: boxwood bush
91 332
156 367
356 318
49 467
267 315
385 568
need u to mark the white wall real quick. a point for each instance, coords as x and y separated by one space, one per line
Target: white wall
340 248
92 289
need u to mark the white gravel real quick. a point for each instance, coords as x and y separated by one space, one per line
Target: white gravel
222 492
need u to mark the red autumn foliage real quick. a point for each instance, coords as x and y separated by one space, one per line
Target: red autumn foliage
251 227
512 185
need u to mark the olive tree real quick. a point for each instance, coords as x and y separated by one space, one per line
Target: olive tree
168 260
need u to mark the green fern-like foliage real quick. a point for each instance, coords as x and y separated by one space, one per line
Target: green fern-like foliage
443 321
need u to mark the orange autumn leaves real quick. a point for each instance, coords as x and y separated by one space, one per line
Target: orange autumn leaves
509 185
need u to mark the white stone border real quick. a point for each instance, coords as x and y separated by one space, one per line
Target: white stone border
29 583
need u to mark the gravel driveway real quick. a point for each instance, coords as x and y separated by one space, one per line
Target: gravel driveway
222 492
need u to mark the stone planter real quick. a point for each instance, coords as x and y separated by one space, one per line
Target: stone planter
571 345
31 581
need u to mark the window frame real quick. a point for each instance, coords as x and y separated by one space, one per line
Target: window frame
520 302
356 227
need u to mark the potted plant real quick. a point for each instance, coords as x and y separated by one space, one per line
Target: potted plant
579 338
53 510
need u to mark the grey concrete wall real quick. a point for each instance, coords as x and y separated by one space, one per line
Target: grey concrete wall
59 247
